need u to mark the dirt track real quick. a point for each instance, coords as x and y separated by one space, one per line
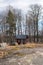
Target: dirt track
27 56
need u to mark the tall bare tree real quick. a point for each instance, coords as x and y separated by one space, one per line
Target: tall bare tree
35 13
29 25
19 17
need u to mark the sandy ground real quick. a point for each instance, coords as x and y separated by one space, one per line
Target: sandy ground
26 56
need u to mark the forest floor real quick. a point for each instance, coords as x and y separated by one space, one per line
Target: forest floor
28 54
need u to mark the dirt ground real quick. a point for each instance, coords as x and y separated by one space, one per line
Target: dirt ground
25 56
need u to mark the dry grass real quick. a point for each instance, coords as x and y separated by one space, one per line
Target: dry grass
33 45
10 49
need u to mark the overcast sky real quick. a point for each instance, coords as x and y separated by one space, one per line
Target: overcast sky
21 4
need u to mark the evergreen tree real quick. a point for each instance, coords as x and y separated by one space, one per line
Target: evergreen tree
12 25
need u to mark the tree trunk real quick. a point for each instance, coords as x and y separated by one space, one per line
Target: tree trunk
37 30
34 31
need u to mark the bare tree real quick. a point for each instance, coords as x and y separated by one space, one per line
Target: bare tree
29 25
35 13
19 18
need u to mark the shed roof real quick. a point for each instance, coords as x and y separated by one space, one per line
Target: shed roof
20 36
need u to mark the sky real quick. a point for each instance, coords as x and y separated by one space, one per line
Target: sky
20 4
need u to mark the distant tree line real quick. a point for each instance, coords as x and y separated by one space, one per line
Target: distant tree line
12 24
33 17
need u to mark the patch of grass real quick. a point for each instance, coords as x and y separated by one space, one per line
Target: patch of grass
19 54
33 45
3 54
10 49
29 45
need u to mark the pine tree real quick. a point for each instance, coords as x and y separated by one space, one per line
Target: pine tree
12 25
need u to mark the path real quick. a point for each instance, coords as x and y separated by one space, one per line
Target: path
25 56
